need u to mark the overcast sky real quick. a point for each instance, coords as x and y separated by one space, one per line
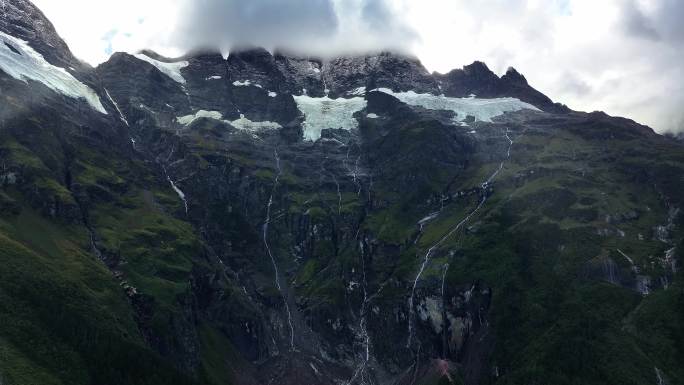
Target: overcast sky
625 57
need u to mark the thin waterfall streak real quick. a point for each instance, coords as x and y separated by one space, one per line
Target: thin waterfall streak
267 221
426 259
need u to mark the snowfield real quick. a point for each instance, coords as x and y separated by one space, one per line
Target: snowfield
172 70
482 109
242 123
23 63
321 113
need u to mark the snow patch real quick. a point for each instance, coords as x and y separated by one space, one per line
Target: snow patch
215 77
248 125
321 113
22 62
372 116
172 70
481 109
188 119
242 123
360 91
272 94
314 68
246 83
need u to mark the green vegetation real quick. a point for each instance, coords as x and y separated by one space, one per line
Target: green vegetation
62 315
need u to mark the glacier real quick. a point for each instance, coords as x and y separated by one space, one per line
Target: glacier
321 113
481 109
172 70
324 112
22 62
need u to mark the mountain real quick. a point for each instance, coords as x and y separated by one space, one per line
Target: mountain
273 219
676 136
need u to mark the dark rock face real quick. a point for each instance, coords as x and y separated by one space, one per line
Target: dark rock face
193 236
475 79
301 74
144 84
388 70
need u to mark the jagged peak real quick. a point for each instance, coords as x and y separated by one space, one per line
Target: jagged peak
512 70
153 55
478 67
514 77
255 54
200 53
23 20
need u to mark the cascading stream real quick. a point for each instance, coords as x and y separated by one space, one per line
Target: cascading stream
659 376
178 191
363 331
426 259
267 221
444 329
354 173
339 195
361 371
121 115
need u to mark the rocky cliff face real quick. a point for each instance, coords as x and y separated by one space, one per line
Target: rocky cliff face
268 219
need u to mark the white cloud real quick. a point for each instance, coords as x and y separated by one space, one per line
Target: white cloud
95 28
621 56
592 55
